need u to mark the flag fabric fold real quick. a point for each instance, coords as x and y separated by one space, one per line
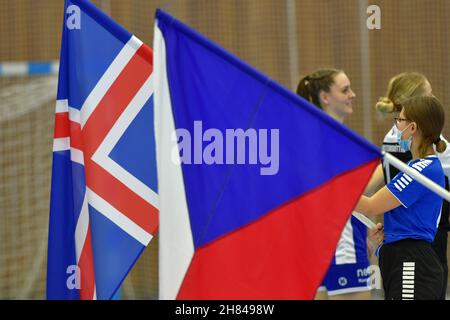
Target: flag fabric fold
261 223
104 202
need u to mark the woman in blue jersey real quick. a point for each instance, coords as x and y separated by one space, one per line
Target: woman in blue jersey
409 266
401 87
348 274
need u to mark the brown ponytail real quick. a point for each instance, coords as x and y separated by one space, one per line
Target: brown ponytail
428 113
302 89
310 86
440 145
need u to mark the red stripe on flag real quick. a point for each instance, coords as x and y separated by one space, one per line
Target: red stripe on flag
62 127
121 197
111 106
86 265
75 135
282 255
146 53
114 102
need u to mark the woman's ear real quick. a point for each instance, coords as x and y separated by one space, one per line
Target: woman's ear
414 127
324 98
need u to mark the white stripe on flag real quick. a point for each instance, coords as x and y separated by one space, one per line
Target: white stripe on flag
76 155
81 228
118 218
74 115
101 156
108 78
176 246
61 144
62 106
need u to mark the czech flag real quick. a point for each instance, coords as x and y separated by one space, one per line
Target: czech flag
262 223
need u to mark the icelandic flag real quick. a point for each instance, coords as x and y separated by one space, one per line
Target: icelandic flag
103 209
235 228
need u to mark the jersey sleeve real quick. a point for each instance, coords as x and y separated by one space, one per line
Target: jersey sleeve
405 189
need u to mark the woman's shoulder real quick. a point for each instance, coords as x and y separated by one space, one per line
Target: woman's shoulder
429 166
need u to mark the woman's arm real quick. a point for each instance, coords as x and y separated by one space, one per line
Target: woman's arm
379 203
375 182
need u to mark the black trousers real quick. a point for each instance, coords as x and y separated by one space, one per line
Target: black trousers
411 270
440 247
440 241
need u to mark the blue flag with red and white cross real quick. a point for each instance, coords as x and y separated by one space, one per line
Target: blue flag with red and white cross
104 202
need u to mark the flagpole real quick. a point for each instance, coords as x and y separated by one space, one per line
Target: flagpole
413 174
417 176
366 221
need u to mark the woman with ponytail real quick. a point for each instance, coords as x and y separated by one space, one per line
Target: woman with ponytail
328 89
401 88
348 274
409 266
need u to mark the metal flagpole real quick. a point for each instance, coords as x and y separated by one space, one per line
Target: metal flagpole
417 176
366 221
413 174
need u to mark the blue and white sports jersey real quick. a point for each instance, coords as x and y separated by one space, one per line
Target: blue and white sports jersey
352 245
349 269
419 213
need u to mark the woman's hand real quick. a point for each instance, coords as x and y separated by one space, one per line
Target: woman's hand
376 234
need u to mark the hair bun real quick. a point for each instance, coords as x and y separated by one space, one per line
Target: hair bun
440 145
384 105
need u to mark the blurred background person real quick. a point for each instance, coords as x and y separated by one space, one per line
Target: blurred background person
348 274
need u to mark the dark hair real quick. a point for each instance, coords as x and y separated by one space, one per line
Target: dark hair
310 86
429 115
